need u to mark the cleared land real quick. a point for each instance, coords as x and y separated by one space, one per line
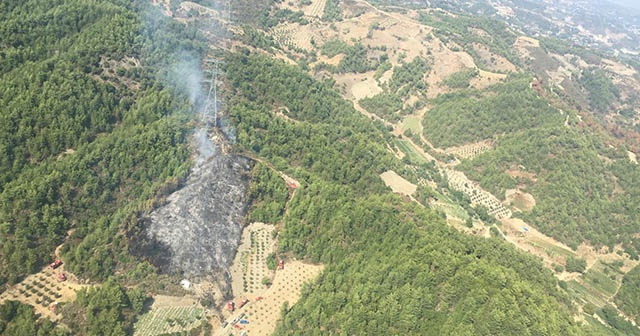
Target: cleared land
520 200
397 183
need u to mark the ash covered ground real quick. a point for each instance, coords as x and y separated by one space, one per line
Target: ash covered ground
198 231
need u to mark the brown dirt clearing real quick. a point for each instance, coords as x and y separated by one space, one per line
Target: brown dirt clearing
492 60
486 78
520 200
533 241
397 183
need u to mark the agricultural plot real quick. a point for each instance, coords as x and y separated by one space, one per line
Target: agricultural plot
458 181
316 8
259 293
166 320
585 294
603 278
44 290
470 150
282 35
261 314
409 151
551 249
292 35
451 209
250 265
412 123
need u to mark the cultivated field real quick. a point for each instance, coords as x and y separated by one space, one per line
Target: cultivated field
44 290
405 147
263 315
166 320
469 151
250 264
250 281
478 196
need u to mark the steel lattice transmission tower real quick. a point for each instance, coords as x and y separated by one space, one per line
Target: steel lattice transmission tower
212 95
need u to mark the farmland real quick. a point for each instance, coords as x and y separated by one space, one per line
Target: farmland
44 290
166 320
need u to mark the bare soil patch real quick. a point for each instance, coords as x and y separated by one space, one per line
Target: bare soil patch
365 88
520 200
492 60
618 68
397 183
164 301
531 240
446 63
357 86
335 60
525 41
486 78
632 157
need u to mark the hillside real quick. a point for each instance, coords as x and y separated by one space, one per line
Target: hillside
215 167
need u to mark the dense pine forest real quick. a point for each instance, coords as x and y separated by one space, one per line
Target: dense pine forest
413 274
91 136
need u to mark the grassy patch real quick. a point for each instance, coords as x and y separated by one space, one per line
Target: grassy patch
412 123
551 249
597 278
412 154
585 294
597 328
451 209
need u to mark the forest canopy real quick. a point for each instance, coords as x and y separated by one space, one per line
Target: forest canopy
412 273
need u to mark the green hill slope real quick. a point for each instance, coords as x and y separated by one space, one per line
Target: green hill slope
393 267
88 135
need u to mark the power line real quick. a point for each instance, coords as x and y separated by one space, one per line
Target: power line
213 91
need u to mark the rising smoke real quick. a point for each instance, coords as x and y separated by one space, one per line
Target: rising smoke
197 232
